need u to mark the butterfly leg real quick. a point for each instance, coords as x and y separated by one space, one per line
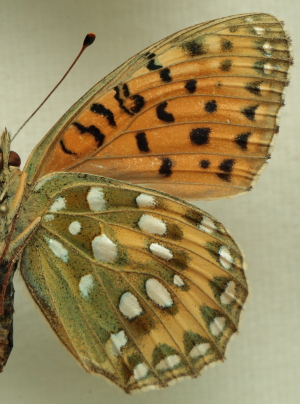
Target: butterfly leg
16 247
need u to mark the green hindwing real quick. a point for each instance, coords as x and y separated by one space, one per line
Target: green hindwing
140 287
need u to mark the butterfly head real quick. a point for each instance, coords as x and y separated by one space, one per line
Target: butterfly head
9 166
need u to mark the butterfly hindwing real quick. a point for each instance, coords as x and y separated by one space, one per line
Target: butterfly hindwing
139 286
193 115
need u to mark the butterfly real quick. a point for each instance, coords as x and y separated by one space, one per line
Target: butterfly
140 286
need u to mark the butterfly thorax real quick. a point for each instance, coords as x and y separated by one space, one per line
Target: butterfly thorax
10 193
10 176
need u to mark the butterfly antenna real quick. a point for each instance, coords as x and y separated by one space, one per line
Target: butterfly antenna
88 40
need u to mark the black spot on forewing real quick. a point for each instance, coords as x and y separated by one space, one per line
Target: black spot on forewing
211 106
193 48
226 45
139 102
204 164
225 65
254 87
200 136
101 110
91 130
249 112
125 90
162 114
166 167
242 140
165 75
226 166
122 95
190 85
149 55
65 150
152 65
142 142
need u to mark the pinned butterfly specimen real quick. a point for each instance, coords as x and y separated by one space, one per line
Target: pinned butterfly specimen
140 286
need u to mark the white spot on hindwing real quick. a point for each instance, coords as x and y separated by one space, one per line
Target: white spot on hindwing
225 257
86 284
168 363
161 251
178 281
96 199
217 326
104 249
152 225
129 306
158 293
49 217
207 225
267 48
259 30
119 340
140 371
145 201
229 293
58 249
75 228
268 68
199 350
58 205
41 182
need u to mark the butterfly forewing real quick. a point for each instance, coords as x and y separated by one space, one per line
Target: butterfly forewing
140 287
193 115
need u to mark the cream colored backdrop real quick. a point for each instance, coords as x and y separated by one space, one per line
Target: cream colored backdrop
38 40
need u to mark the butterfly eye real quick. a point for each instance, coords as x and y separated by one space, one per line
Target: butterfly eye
14 160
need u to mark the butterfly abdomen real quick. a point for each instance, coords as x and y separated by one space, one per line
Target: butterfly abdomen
6 320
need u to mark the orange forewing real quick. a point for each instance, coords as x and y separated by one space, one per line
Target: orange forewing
193 115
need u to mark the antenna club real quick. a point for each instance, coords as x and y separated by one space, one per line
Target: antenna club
89 39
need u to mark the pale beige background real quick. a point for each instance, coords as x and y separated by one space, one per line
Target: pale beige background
38 40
